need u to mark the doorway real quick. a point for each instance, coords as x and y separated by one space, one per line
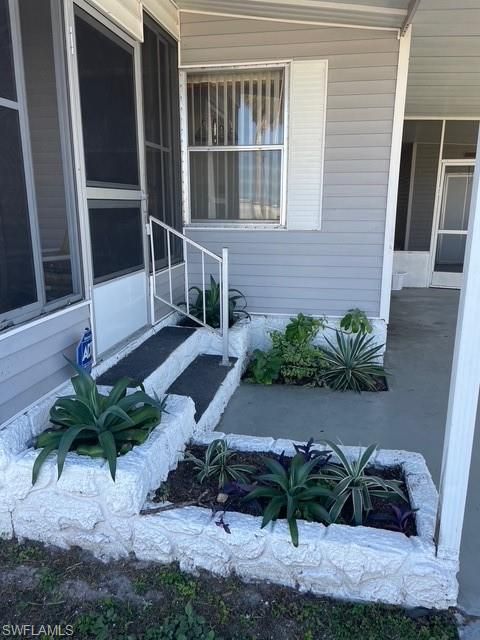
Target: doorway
451 223
107 88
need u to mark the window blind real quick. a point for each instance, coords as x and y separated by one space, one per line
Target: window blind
243 108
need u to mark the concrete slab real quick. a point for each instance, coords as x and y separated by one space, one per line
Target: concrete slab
410 416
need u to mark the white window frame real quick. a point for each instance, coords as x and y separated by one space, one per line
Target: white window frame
85 193
41 307
186 149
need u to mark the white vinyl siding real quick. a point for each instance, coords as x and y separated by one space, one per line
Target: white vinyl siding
339 267
308 79
127 14
444 74
32 361
165 13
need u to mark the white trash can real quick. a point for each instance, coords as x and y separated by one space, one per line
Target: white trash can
398 280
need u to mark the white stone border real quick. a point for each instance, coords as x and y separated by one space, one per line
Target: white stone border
355 563
262 325
85 507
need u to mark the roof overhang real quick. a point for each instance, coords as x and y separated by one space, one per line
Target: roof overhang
374 14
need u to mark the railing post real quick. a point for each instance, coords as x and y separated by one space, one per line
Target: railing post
464 393
225 314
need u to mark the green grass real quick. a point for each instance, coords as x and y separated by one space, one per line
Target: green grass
49 580
157 602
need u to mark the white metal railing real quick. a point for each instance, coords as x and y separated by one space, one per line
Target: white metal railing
222 263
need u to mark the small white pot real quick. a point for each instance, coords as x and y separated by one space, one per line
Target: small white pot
398 280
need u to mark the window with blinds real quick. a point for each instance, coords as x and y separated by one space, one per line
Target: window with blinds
236 122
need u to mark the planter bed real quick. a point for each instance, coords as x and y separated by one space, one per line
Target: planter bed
182 487
356 563
381 383
85 507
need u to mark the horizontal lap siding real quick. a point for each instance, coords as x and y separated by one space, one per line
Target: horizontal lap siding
340 266
32 361
444 75
163 290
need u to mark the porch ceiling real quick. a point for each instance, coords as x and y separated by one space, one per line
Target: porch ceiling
390 14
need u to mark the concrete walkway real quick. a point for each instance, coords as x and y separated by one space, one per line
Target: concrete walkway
410 416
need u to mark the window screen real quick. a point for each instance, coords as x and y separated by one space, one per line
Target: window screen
7 75
116 236
107 90
50 146
162 137
17 273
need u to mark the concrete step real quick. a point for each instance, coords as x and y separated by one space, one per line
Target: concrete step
201 380
186 361
157 361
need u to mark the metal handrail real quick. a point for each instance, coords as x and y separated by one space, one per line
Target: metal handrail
223 279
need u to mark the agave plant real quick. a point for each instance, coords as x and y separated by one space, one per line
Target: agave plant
350 483
237 304
352 363
292 492
219 463
98 425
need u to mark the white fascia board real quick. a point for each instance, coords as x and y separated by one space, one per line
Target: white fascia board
165 12
305 11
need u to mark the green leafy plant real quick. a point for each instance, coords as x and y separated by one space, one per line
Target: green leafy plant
356 321
219 463
352 487
292 491
237 304
264 367
98 425
302 329
188 625
300 361
352 363
98 625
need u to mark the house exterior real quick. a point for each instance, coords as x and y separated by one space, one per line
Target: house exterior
277 130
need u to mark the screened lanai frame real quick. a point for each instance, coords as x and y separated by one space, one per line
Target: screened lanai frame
232 67
89 193
20 106
42 306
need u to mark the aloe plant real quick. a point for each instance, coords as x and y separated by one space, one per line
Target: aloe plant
237 304
98 425
219 462
350 483
293 491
